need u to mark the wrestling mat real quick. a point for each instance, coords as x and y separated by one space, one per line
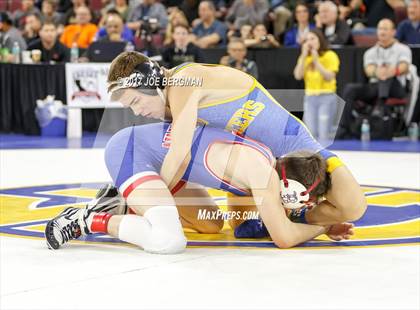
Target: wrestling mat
392 218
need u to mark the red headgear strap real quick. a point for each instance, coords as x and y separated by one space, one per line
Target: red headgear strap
286 183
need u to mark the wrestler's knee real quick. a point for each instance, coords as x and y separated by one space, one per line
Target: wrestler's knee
210 226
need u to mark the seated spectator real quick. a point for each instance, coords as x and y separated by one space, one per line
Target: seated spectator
236 58
377 10
318 66
335 30
9 35
386 65
190 10
121 6
64 6
27 7
209 32
261 39
280 15
250 12
52 51
181 50
112 22
175 18
32 27
145 12
297 34
69 17
246 32
49 13
352 12
83 32
408 30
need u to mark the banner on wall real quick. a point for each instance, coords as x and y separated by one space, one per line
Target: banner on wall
86 85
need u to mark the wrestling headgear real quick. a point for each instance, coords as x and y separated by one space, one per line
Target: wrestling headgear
146 77
294 194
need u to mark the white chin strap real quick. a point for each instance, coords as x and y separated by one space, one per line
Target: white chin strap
291 194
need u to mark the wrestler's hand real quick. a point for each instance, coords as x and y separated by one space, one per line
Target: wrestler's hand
338 232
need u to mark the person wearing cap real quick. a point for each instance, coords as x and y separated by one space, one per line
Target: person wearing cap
221 160
9 35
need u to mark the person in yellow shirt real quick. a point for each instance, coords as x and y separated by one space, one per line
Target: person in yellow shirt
83 32
317 66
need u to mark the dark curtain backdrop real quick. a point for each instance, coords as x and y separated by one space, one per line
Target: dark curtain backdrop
21 85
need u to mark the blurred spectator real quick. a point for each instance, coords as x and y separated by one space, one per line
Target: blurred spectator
49 12
408 30
280 15
27 7
181 50
377 10
297 34
236 58
190 9
32 27
176 17
352 11
52 51
64 6
335 30
261 39
69 17
9 35
112 21
145 13
114 29
83 32
209 32
318 66
246 32
121 6
386 65
250 12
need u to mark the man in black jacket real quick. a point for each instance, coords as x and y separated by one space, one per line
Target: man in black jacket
182 50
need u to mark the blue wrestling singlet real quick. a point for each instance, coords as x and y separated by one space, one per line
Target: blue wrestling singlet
135 155
259 116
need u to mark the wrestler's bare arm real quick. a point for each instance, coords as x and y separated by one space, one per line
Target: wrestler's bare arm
284 233
183 103
345 201
264 184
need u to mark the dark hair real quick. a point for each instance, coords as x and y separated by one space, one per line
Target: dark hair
306 167
48 23
210 3
323 43
5 18
183 26
36 15
301 3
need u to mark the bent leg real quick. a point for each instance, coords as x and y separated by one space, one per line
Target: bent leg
193 200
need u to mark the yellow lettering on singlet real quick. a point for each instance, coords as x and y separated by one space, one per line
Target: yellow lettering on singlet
244 116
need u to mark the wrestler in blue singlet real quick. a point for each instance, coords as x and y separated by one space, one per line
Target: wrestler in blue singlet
259 116
136 153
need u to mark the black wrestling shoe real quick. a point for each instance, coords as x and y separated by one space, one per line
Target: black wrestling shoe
65 227
108 200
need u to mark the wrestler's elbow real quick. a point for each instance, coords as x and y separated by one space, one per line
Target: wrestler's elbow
282 244
355 208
